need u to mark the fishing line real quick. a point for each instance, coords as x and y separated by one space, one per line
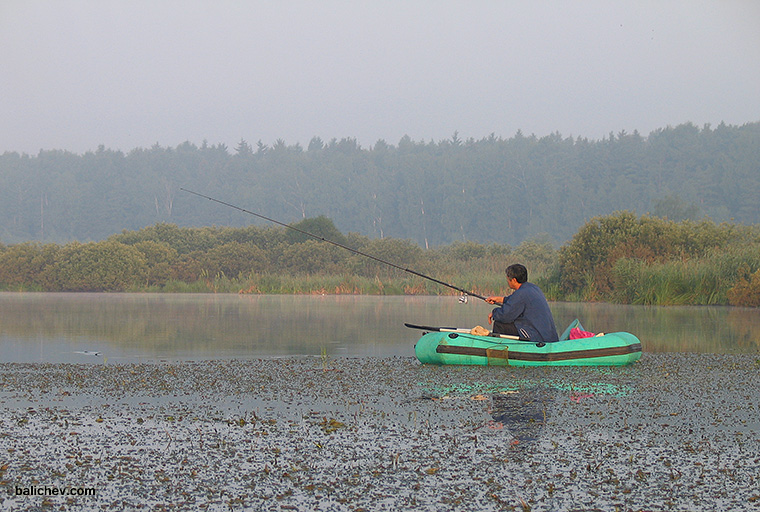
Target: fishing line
323 239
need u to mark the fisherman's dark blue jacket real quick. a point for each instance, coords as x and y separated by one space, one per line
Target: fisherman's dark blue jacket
528 310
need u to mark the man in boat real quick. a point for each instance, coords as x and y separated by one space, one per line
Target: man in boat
525 313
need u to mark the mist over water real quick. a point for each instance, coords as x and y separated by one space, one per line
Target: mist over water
113 328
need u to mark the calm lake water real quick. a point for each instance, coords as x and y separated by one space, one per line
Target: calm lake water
71 327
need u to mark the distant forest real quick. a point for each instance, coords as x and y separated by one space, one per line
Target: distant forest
492 190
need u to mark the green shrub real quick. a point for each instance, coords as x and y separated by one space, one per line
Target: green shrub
99 266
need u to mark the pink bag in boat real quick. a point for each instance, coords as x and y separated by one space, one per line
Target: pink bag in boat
576 333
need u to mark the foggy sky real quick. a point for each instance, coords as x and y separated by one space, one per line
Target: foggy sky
78 74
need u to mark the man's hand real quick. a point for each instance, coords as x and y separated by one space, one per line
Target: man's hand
495 300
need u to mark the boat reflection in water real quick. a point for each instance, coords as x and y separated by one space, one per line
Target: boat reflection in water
523 413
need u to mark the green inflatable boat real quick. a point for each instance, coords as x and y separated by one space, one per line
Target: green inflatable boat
457 346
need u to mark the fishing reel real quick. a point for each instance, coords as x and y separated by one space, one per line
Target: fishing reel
463 299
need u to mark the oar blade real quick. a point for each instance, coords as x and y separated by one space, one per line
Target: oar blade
430 328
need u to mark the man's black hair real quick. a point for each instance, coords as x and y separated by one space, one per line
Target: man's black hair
517 271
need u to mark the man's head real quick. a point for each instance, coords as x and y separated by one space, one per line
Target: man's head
517 272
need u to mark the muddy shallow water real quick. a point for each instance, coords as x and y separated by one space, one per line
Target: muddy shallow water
672 432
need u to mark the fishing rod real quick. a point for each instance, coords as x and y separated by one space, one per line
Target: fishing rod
323 239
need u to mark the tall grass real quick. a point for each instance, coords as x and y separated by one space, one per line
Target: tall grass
704 281
668 284
475 276
317 284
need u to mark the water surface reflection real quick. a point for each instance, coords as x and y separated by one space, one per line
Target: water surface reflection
68 327
523 413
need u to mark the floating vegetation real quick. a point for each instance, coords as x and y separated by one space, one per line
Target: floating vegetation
675 431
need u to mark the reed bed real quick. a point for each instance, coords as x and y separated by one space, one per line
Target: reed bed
707 281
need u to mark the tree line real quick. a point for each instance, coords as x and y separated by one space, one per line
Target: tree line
491 190
621 258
